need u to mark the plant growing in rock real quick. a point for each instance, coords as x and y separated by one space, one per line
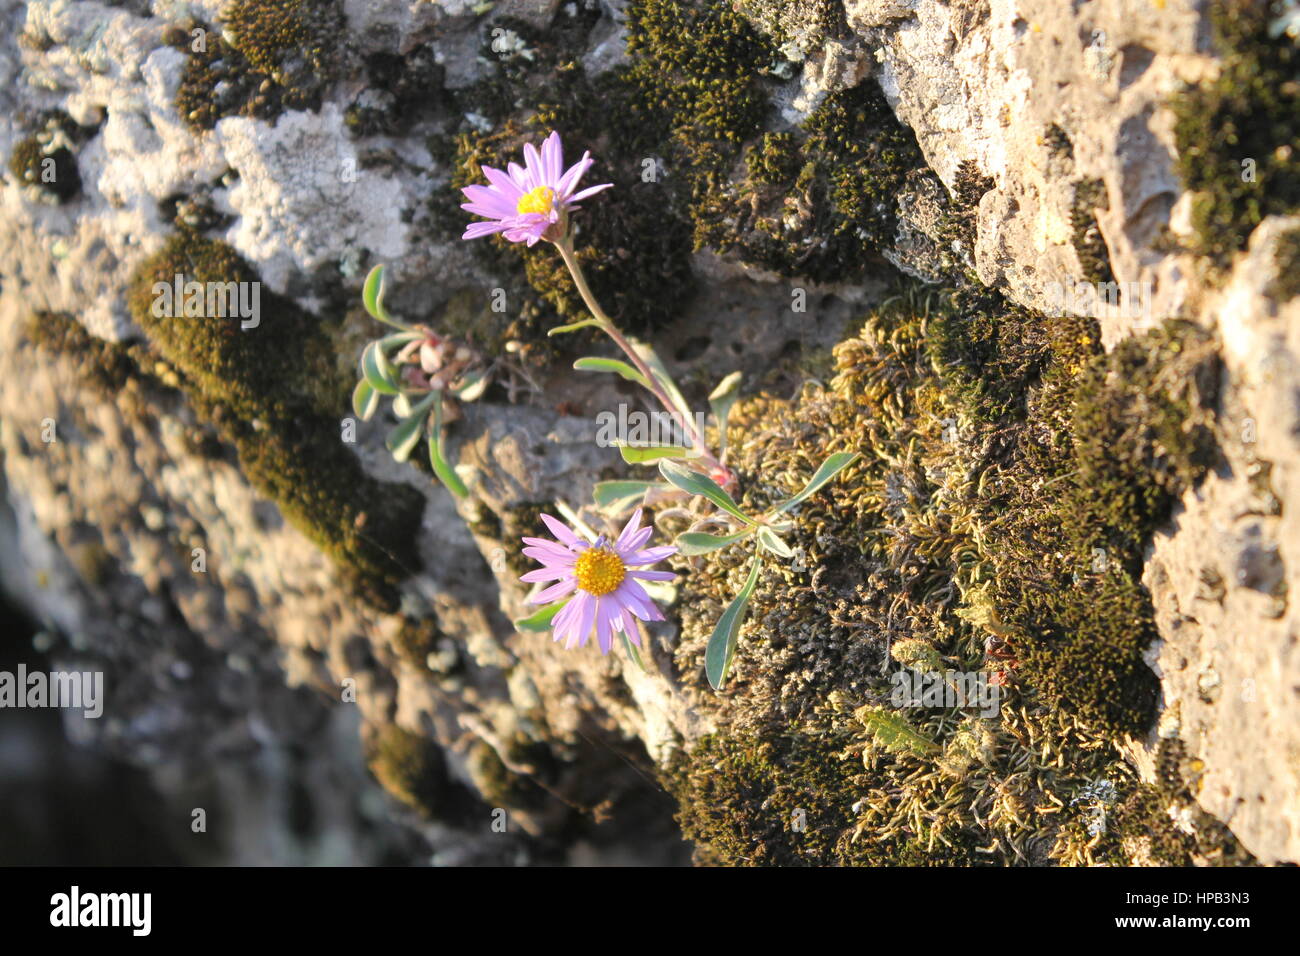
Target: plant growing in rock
424 374
531 203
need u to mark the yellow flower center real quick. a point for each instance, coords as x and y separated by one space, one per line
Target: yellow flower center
599 571
540 200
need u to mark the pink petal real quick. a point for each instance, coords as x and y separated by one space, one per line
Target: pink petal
477 230
605 612
589 608
650 555
523 178
507 186
653 575
629 529
635 541
579 197
563 532
533 162
554 592
573 174
630 629
552 157
545 574
561 554
562 623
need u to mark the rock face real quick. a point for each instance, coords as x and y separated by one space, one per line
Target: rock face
254 571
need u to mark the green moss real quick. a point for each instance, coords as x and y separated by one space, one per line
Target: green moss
969 188
46 159
413 770
417 639
291 40
1089 244
108 366
820 203
276 393
273 55
999 449
1287 259
1245 120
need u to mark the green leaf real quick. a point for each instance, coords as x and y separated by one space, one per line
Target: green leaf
377 371
607 493
691 543
541 620
641 454
631 650
471 386
831 467
720 400
660 371
372 296
365 400
572 327
722 643
594 364
446 474
892 731
402 440
695 483
395 341
768 539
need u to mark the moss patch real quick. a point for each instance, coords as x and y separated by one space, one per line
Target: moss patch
275 392
999 450
46 159
272 55
1287 258
1239 134
819 202
413 770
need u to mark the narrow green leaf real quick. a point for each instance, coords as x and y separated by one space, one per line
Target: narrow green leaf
395 341
641 454
831 467
377 371
720 400
691 543
632 651
593 364
446 474
695 483
660 371
372 297
608 493
722 643
541 620
365 400
768 539
616 497
572 327
402 440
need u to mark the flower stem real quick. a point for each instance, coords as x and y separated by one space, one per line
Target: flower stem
606 324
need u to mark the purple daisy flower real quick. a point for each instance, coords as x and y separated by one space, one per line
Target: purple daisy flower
609 596
530 203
